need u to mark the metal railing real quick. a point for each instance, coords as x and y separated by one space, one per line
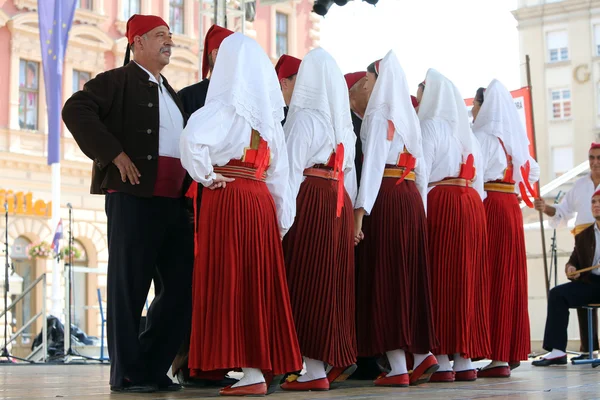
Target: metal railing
44 345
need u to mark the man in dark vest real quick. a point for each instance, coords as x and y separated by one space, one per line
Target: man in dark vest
193 98
583 289
128 121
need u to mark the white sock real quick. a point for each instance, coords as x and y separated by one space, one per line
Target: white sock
495 364
555 353
397 360
251 376
315 369
444 363
462 364
419 358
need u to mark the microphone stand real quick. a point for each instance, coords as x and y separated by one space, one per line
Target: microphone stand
554 251
69 266
5 356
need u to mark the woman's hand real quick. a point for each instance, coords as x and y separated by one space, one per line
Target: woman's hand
220 181
358 218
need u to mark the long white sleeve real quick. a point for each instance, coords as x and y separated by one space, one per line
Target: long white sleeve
350 183
375 150
478 183
422 180
299 133
534 172
565 209
277 181
429 147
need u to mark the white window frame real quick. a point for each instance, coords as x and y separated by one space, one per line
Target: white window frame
565 97
560 53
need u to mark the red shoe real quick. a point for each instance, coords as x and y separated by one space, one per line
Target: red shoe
396 380
340 374
314 385
257 389
423 372
494 372
442 377
466 376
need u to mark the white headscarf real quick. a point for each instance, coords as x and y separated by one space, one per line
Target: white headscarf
391 97
244 78
498 116
443 102
320 86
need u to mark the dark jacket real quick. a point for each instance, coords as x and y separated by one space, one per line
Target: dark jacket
194 96
358 155
118 111
583 253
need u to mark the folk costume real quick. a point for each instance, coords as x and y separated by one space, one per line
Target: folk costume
506 166
319 248
241 309
457 230
193 98
286 67
393 293
127 110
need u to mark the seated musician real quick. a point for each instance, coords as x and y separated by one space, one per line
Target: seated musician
583 289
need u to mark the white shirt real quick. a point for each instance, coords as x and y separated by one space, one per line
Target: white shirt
307 146
170 120
378 151
442 153
495 163
224 137
577 200
596 250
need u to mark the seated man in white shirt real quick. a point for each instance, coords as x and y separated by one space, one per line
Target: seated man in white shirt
583 289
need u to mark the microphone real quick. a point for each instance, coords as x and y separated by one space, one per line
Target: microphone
69 206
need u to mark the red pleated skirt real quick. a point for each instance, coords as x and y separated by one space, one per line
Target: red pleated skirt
319 257
394 306
509 315
241 308
459 271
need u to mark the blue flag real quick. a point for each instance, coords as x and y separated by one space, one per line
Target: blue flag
55 19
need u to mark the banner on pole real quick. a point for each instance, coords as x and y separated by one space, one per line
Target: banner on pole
522 99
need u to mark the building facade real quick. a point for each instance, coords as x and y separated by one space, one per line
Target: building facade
562 38
96 43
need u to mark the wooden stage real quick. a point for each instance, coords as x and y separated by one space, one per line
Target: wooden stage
91 382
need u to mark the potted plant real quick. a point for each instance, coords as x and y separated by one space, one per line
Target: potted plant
41 250
64 253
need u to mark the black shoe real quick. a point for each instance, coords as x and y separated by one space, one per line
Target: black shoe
166 384
546 362
582 356
135 388
514 364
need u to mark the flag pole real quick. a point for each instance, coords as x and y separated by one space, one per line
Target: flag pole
57 299
538 185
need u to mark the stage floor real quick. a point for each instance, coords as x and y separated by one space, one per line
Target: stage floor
91 382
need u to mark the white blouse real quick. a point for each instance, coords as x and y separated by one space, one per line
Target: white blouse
577 200
223 137
443 153
307 145
378 151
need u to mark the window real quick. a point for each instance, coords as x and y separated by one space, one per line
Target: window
176 16
25 268
281 34
597 40
558 46
79 79
28 94
562 160
130 7
85 4
561 103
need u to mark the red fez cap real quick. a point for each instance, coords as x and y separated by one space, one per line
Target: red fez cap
138 24
597 193
353 77
287 66
595 146
213 39
414 101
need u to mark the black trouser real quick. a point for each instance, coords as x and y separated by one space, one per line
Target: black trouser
582 316
561 299
147 238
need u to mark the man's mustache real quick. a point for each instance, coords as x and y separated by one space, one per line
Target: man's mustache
165 48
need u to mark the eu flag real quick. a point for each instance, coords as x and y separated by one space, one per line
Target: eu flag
55 19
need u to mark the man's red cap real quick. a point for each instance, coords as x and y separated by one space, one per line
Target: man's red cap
213 39
353 77
595 146
287 66
597 193
138 25
414 101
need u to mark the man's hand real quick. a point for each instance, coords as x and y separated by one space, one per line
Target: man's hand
127 169
571 269
220 181
539 205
